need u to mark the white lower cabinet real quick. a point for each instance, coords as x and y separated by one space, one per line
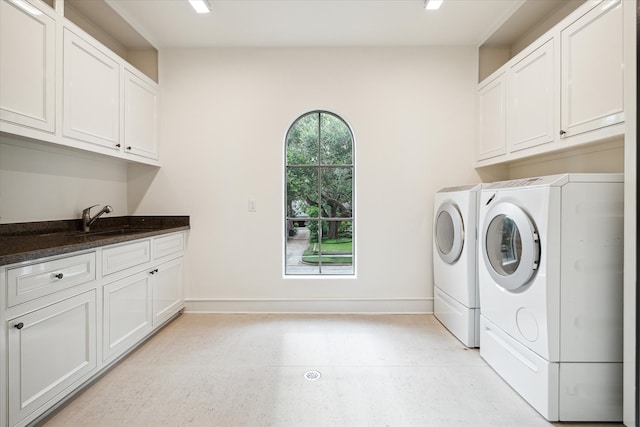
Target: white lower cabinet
126 314
148 293
134 305
64 320
167 290
49 352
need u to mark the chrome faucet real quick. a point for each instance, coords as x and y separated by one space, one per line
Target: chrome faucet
87 221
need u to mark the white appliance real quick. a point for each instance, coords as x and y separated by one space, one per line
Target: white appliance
455 223
550 278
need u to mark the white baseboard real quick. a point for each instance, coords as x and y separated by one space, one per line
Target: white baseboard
311 305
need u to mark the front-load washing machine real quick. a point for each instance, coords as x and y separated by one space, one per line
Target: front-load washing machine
550 279
455 222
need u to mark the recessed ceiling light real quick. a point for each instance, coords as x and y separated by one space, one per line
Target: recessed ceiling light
201 6
432 4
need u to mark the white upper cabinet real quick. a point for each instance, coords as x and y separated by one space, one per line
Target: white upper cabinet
91 93
593 70
491 118
27 67
530 95
60 84
140 116
562 91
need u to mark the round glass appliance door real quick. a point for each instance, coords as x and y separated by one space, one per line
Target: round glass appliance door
449 233
511 247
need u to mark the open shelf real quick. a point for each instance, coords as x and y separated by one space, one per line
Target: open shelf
526 24
100 21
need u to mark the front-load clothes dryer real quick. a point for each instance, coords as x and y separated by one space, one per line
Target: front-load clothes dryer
550 279
455 262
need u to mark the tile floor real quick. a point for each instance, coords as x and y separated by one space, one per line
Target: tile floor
249 370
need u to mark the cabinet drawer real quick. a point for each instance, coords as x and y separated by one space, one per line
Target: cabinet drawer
43 278
168 245
126 256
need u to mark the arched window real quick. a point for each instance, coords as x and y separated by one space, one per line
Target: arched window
319 192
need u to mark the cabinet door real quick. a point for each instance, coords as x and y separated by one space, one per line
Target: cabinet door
491 119
530 109
27 67
127 313
592 70
91 93
49 350
140 117
167 290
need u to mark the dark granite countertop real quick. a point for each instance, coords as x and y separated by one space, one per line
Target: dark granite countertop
32 240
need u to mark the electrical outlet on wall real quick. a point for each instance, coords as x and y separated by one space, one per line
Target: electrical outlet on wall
252 205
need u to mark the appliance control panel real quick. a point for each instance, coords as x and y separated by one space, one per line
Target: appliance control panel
471 187
537 181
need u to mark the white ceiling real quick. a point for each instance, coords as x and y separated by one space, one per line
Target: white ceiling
262 23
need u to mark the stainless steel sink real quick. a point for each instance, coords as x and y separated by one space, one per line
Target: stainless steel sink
117 232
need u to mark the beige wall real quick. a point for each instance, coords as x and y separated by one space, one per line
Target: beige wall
42 182
224 116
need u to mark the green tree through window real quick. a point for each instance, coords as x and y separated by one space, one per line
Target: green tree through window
319 195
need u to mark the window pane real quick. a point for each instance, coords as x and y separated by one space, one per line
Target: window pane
298 244
337 192
335 141
319 196
302 192
336 253
302 141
